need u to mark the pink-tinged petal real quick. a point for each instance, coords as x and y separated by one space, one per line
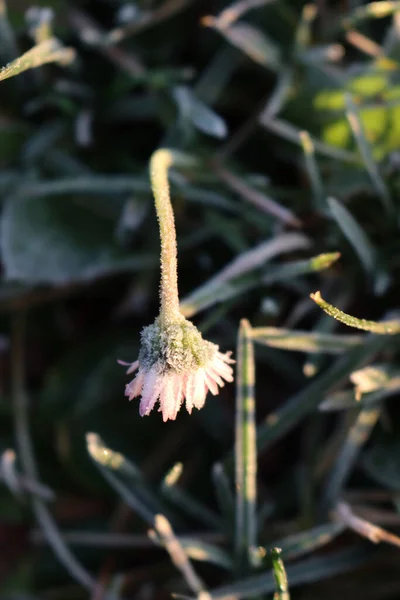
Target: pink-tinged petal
212 385
167 399
151 390
134 388
190 389
200 389
179 390
132 366
223 369
211 371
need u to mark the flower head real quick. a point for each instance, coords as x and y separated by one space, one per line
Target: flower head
175 363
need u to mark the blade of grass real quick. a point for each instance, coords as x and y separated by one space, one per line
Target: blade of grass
223 491
178 555
305 341
48 51
372 10
354 119
295 268
201 551
344 514
109 462
289 132
258 199
348 399
358 434
281 581
185 502
313 171
354 234
305 542
383 328
305 571
244 264
287 417
25 449
245 451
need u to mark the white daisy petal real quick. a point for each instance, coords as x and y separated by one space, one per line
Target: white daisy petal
134 388
151 391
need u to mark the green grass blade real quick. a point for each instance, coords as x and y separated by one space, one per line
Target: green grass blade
357 436
281 581
305 571
48 51
289 132
177 553
245 450
354 234
366 153
26 451
372 10
186 503
307 541
109 463
305 341
245 264
313 171
383 328
295 268
287 417
225 498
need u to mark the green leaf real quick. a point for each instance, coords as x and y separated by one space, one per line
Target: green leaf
59 240
250 40
201 115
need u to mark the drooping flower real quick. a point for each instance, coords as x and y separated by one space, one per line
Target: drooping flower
175 363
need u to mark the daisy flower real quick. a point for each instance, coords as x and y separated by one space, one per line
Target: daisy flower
175 364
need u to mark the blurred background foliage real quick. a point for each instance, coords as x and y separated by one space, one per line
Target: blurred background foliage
288 114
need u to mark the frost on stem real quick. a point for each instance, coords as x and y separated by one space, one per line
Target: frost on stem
175 363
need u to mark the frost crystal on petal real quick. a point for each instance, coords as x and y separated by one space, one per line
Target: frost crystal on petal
175 365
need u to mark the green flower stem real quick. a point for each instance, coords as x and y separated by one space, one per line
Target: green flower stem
384 328
160 162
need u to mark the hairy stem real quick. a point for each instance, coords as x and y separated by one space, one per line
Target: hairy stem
160 162
382 328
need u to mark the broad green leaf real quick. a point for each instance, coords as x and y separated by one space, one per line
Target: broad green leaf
59 240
